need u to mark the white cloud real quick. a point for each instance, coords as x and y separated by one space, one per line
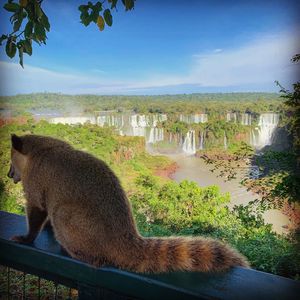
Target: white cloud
218 50
256 64
260 62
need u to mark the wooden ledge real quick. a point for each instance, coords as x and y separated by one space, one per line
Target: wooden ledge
44 258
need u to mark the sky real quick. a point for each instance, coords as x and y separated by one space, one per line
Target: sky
161 47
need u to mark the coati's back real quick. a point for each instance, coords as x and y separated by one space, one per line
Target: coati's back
72 177
92 217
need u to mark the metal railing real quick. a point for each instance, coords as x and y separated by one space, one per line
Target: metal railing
44 259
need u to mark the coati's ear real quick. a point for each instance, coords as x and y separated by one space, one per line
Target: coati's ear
16 142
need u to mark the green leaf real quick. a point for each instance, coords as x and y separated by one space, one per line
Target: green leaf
98 6
108 17
45 21
40 32
28 29
18 22
129 4
83 8
11 48
21 56
12 7
113 3
37 9
2 38
27 47
85 19
94 15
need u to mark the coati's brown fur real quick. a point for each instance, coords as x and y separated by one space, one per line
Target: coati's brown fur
91 215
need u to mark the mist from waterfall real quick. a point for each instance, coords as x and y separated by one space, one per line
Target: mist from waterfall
72 120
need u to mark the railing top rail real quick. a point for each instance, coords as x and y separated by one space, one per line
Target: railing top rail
44 258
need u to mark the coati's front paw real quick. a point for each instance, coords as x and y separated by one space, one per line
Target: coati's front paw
23 239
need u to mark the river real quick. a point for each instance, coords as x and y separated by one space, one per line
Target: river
195 169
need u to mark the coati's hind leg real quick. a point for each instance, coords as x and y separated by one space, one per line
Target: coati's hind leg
35 219
69 234
82 256
75 251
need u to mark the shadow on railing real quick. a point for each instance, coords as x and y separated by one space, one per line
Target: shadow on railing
45 260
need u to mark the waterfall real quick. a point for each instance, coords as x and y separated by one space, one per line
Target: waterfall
162 117
156 135
196 118
110 120
201 145
142 121
138 131
246 119
200 118
189 144
231 116
225 141
261 136
134 121
101 120
228 117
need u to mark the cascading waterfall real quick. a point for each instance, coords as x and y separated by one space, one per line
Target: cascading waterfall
225 141
155 135
231 117
228 117
138 121
261 136
196 118
200 118
110 120
138 125
246 119
138 131
142 121
189 144
134 120
201 144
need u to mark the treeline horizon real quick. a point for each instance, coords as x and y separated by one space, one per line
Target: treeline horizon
142 95
188 103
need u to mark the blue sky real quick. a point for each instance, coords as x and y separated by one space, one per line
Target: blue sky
161 47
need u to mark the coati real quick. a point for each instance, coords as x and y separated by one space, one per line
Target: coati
91 215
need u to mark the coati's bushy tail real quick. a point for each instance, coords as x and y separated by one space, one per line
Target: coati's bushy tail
184 254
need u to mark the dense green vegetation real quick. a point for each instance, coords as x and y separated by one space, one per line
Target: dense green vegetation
187 209
211 103
162 207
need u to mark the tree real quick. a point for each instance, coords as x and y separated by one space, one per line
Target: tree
293 109
31 24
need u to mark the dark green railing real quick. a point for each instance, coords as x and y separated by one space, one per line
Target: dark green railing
45 259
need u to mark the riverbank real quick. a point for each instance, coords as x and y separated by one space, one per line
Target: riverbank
166 172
